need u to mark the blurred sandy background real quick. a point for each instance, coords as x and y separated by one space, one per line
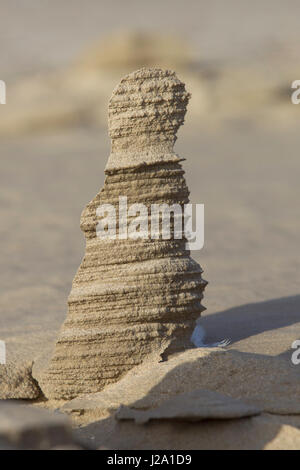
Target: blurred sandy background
61 61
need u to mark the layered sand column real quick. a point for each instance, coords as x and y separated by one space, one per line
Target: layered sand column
131 298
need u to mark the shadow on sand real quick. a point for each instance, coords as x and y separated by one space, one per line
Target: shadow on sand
247 433
251 319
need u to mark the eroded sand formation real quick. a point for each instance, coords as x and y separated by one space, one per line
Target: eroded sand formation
131 298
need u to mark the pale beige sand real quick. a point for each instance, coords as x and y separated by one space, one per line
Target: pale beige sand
197 405
77 94
257 433
167 392
220 30
26 427
241 140
248 181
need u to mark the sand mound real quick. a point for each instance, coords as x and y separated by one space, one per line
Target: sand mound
194 406
266 382
257 433
16 381
148 391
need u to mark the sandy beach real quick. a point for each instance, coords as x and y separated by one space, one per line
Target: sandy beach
242 163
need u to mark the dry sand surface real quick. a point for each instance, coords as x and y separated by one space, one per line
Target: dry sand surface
220 30
248 182
241 144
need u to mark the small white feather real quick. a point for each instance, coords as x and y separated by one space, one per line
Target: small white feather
198 336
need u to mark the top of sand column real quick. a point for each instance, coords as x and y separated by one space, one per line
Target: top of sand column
145 111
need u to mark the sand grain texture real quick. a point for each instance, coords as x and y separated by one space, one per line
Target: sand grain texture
131 297
268 383
16 381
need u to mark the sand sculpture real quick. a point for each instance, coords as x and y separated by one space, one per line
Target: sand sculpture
131 298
